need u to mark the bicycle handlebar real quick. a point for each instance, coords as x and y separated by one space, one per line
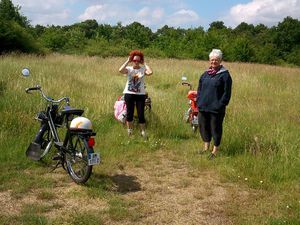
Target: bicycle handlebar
188 84
39 88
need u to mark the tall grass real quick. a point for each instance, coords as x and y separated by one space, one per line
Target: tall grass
261 129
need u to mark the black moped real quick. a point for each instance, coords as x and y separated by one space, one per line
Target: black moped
76 152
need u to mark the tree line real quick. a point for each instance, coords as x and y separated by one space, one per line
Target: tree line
245 43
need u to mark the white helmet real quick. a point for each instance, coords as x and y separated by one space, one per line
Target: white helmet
81 123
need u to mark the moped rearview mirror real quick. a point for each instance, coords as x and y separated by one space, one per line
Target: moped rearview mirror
25 72
184 78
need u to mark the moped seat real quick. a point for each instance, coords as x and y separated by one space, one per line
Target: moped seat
72 111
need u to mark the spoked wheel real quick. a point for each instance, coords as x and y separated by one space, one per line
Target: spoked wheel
147 108
186 117
147 111
76 159
47 152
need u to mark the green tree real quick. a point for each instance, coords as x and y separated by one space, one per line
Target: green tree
244 29
105 31
260 28
139 34
241 50
118 32
294 56
9 12
74 40
267 53
217 25
287 35
193 44
39 30
168 40
88 27
217 36
13 37
53 38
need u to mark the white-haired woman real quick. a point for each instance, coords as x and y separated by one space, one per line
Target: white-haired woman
213 95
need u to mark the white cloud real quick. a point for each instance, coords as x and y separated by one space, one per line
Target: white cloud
153 14
158 14
44 12
268 12
183 17
58 18
148 16
98 12
144 12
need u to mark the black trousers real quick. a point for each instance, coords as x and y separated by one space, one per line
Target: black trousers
132 100
211 126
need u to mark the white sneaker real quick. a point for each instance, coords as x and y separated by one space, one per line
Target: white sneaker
143 133
129 131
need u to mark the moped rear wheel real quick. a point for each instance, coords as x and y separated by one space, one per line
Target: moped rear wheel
76 159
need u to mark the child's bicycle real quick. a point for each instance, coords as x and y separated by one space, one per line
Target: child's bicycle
191 115
120 108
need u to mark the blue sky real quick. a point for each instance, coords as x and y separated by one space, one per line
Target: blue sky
157 13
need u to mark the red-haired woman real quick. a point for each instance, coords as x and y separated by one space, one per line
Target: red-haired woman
135 88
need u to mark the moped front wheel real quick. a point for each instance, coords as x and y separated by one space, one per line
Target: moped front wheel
47 142
76 159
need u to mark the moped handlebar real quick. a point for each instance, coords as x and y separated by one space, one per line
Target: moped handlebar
187 84
47 98
37 87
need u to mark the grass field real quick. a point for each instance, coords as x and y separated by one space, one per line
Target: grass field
258 168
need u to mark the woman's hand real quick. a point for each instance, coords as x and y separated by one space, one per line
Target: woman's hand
123 69
148 71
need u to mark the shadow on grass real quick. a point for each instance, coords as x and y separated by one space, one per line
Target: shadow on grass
120 183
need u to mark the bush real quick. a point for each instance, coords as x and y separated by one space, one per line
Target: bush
102 47
154 53
53 39
13 37
294 57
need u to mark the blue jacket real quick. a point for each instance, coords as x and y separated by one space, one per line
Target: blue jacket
214 91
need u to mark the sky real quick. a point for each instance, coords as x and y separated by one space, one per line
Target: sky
157 13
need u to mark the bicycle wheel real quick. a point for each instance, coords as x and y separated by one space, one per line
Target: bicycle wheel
148 104
76 159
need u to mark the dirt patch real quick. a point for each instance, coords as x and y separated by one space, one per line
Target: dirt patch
173 193
166 192
64 199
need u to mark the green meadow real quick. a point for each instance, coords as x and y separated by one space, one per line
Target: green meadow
260 150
